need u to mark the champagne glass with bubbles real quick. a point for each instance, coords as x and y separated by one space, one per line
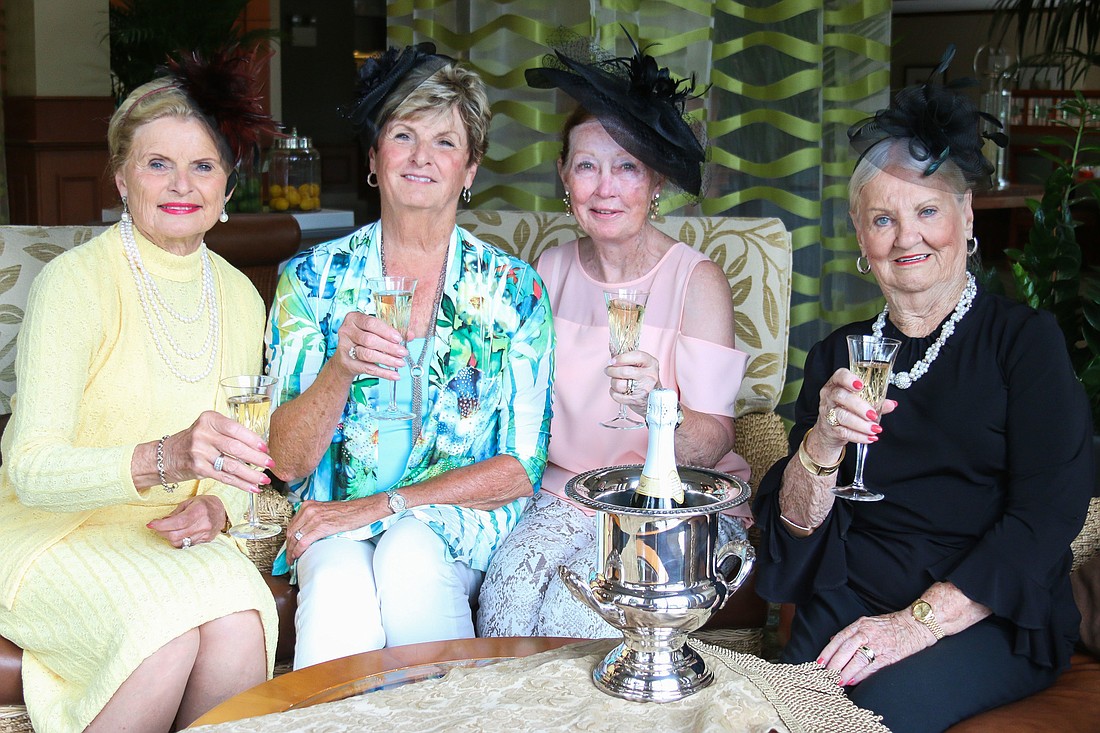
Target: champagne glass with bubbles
249 398
392 298
625 309
871 359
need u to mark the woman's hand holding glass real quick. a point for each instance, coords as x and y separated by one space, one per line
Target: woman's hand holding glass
193 453
634 374
368 345
625 311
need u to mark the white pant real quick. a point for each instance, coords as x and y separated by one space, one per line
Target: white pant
398 588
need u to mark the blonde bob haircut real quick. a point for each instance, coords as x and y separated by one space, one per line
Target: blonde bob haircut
452 86
151 101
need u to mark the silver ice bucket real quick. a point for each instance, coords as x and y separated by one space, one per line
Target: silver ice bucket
659 576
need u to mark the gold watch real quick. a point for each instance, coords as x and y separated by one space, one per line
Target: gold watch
923 613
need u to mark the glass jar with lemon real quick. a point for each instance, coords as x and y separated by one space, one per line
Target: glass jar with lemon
293 175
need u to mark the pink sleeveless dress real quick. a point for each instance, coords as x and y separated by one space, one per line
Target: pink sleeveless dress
706 375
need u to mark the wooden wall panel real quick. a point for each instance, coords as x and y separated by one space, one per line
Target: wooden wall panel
57 159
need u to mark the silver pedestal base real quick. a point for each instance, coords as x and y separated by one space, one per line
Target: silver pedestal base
652 676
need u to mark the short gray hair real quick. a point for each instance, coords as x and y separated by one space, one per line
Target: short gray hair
894 154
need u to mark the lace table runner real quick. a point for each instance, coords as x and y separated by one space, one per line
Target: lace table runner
553 691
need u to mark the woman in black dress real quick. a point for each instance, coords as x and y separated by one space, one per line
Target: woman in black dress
951 595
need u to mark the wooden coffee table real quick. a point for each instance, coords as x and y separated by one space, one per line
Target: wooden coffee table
369 671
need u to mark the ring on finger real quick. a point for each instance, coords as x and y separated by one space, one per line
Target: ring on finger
867 653
831 418
630 386
219 462
351 353
186 543
298 536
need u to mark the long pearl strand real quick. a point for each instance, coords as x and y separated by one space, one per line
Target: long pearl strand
905 380
153 305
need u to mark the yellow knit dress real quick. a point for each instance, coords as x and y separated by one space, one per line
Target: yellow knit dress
85 588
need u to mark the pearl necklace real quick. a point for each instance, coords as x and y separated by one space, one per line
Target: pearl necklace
154 306
905 380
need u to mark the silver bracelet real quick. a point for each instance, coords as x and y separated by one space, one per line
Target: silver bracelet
160 467
796 525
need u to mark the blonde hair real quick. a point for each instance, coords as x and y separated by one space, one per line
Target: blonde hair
452 86
151 101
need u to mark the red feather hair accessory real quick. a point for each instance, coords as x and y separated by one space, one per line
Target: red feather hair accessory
225 89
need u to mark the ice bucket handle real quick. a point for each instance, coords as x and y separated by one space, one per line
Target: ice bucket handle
747 555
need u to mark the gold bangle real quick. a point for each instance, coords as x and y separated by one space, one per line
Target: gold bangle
813 466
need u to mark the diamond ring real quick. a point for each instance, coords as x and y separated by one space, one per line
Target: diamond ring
298 536
630 386
186 543
352 355
867 653
219 462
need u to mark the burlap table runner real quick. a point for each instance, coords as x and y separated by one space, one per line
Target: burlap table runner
553 691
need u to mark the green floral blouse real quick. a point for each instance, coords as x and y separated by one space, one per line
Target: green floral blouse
488 390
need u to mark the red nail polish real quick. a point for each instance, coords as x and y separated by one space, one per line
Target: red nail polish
876 429
857 384
820 661
873 438
270 463
149 526
872 415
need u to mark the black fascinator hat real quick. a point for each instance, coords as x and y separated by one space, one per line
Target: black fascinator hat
380 76
644 104
223 87
939 123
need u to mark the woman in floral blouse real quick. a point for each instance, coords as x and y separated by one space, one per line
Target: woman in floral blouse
396 520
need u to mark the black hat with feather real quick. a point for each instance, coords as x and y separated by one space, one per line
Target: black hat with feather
641 105
939 124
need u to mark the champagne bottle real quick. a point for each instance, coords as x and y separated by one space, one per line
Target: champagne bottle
660 486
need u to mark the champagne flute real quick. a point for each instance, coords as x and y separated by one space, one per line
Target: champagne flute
625 309
393 304
871 359
249 398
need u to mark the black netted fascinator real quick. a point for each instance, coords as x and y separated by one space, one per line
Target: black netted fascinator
640 104
940 123
379 76
225 89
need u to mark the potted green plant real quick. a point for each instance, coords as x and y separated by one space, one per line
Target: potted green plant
1067 32
1049 272
144 33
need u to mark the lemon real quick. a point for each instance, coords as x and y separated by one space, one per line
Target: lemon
307 204
274 191
292 196
280 204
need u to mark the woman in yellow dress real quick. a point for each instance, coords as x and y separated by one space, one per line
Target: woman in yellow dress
134 610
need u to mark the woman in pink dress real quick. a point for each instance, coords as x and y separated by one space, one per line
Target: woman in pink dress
627 141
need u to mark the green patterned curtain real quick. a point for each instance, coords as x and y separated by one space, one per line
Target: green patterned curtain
787 78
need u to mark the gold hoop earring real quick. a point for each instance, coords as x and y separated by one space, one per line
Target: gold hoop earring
863 265
568 201
372 179
655 206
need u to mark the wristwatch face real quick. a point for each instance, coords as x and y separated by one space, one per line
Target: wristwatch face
921 611
396 502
